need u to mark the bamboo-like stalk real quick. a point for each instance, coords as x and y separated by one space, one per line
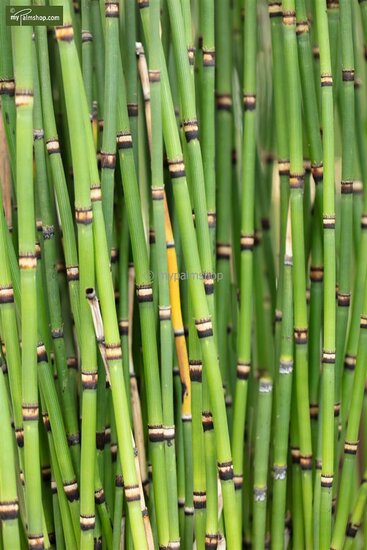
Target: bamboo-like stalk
346 214
281 130
58 492
207 107
361 268
333 18
262 304
180 448
238 36
96 15
136 408
316 304
282 397
328 354
309 95
163 284
296 182
143 179
59 535
223 163
7 90
356 516
351 439
247 241
87 50
188 531
108 151
261 455
310 98
9 332
9 506
188 30
124 324
23 71
131 72
298 531
197 439
177 322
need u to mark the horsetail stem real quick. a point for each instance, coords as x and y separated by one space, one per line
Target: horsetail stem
136 335
247 241
328 353
23 72
281 123
282 405
158 197
261 456
108 150
348 168
7 91
9 331
86 40
207 107
296 179
9 506
223 163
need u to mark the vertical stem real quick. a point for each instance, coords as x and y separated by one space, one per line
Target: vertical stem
281 135
247 242
261 456
282 397
348 167
328 354
162 273
224 130
207 108
23 71
296 182
9 505
108 151
87 38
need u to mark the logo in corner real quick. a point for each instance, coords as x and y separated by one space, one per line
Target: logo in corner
29 16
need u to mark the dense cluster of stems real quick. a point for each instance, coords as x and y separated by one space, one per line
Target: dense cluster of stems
183 275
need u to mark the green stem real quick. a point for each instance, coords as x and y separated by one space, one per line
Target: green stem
261 456
23 71
247 242
296 181
328 354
